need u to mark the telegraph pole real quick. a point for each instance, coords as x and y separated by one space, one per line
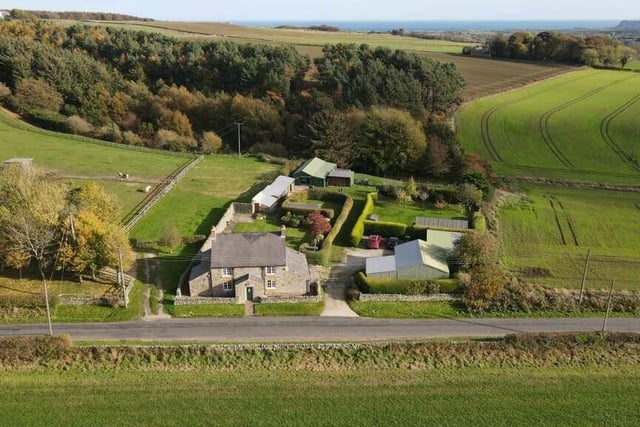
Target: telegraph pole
238 124
121 278
584 277
606 314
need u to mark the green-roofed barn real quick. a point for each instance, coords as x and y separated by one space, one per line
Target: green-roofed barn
319 173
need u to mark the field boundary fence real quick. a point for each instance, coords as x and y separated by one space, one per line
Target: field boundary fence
161 190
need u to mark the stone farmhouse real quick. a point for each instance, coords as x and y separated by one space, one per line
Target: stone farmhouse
246 266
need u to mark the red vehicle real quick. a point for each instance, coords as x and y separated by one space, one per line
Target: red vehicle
374 242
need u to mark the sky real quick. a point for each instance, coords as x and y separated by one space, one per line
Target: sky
347 10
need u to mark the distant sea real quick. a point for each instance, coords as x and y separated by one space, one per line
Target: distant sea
384 26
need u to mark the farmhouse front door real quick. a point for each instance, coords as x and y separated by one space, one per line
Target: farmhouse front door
249 293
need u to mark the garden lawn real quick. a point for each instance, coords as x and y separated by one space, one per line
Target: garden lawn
514 396
394 211
545 237
289 309
580 126
206 310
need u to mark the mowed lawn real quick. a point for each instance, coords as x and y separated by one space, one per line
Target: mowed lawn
78 161
579 126
394 211
545 237
489 397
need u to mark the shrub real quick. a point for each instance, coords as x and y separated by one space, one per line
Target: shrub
358 229
476 249
353 294
78 126
479 222
485 286
416 288
170 236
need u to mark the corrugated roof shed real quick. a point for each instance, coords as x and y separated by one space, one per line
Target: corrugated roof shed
342 173
270 195
419 252
383 264
317 168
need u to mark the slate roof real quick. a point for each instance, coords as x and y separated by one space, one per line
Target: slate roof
248 250
297 263
316 168
442 222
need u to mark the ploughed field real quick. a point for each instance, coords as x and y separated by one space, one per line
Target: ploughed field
547 233
581 126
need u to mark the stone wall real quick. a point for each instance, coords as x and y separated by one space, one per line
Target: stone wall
290 298
401 298
183 300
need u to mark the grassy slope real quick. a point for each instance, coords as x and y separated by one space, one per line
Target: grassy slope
70 157
605 221
568 112
574 396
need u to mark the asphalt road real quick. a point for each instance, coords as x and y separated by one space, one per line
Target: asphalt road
309 329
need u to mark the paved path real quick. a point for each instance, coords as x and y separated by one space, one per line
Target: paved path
306 329
340 279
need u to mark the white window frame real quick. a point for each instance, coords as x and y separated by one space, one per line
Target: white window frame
271 284
227 271
227 286
270 269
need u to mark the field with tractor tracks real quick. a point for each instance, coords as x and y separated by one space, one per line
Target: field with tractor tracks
547 232
580 126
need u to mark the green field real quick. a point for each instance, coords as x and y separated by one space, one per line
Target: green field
546 234
76 160
581 126
507 396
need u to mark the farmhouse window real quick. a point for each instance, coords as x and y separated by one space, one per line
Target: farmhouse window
227 271
227 286
271 284
270 270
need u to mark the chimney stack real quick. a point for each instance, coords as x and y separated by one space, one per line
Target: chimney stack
283 231
213 233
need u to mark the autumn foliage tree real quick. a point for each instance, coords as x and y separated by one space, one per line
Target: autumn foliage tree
319 225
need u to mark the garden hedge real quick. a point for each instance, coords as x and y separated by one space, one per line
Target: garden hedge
369 285
386 229
322 256
358 229
479 222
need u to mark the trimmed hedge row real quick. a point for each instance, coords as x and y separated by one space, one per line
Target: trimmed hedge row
322 256
386 229
328 212
479 222
358 229
368 285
